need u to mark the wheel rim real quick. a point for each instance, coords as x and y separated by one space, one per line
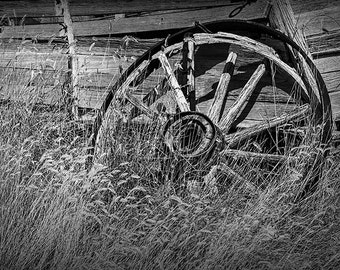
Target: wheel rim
222 121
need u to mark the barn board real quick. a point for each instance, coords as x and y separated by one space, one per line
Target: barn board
45 8
153 21
316 17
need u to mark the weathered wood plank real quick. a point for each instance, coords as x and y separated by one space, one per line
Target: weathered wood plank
335 100
149 22
330 71
32 45
171 20
86 7
38 31
92 97
328 64
332 80
33 60
25 76
44 86
140 105
126 47
100 65
218 102
324 44
247 91
257 112
176 88
96 79
318 20
301 6
282 17
50 95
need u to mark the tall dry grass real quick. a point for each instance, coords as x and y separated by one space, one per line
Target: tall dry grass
56 215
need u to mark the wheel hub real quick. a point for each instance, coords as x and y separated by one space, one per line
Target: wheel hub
190 135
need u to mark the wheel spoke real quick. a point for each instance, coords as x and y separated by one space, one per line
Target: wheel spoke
179 96
126 85
269 53
246 92
189 64
221 92
233 139
140 105
158 91
260 157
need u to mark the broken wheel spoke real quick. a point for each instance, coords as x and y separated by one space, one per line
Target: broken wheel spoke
221 92
158 91
246 92
179 96
233 139
188 62
140 105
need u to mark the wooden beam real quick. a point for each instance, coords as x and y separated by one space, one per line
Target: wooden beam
282 17
73 61
103 7
152 21
317 17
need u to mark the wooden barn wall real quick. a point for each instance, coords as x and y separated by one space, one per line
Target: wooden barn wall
33 57
45 8
39 73
319 22
33 51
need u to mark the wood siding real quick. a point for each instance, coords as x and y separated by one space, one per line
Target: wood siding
28 66
319 22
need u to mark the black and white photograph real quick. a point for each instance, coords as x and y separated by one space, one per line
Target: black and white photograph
169 134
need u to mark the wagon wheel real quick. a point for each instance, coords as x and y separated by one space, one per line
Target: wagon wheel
200 104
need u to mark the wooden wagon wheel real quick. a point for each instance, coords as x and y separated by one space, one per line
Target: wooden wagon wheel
205 100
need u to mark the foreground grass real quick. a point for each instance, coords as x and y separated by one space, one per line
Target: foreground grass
56 215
